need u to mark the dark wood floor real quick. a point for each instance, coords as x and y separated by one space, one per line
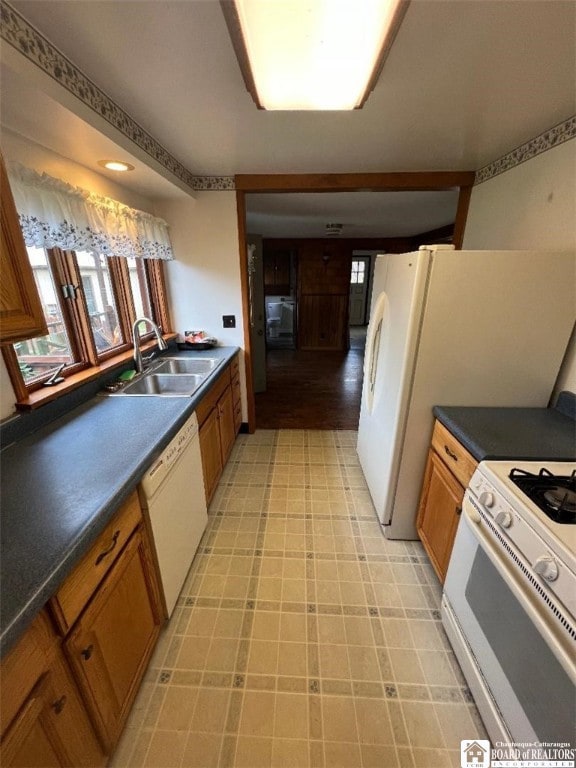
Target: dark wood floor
312 390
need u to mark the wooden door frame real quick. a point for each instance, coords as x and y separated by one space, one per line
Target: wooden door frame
335 182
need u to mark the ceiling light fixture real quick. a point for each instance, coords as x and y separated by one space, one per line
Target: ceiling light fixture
312 54
115 165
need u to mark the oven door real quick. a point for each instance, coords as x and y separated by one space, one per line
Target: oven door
513 656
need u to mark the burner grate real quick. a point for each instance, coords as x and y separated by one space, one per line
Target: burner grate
555 495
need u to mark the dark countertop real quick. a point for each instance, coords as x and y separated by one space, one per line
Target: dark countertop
63 483
511 433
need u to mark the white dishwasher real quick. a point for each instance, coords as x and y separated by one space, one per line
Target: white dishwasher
173 491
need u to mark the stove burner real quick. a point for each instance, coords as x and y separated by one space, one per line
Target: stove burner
561 498
555 495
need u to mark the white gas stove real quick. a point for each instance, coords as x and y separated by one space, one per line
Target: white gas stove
509 602
533 504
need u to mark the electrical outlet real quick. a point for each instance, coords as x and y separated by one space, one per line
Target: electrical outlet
229 321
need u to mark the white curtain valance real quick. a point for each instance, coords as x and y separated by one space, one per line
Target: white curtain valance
54 214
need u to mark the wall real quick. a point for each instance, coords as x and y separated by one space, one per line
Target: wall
533 205
15 147
204 281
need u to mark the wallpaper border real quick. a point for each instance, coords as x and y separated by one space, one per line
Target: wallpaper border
21 35
545 141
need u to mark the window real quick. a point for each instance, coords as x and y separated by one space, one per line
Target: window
100 301
90 303
358 272
41 356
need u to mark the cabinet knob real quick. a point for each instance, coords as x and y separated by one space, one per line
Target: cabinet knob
59 704
451 453
86 653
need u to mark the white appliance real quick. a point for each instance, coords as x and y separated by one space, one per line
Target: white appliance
173 491
482 328
509 600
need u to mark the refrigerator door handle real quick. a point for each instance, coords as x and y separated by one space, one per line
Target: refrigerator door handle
373 348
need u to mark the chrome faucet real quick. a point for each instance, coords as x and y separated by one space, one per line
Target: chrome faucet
138 361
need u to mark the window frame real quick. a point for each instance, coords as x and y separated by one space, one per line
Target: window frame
88 361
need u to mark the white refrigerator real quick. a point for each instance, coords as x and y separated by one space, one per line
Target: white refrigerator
447 327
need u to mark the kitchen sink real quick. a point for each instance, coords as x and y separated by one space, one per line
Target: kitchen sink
184 365
166 384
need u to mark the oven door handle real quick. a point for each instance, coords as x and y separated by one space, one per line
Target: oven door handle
523 588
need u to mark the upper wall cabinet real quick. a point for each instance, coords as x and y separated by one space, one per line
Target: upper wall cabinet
21 315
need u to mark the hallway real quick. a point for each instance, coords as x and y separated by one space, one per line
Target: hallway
313 390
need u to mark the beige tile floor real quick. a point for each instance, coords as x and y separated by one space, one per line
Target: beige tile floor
302 636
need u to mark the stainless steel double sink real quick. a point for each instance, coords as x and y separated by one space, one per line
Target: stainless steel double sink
171 377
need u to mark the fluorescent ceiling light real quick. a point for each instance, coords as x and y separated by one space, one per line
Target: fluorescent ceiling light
312 54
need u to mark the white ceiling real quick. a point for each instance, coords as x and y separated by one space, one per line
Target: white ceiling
362 214
466 81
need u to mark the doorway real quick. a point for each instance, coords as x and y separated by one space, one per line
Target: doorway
359 272
272 186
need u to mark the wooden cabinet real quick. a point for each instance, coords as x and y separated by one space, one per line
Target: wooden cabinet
218 413
226 425
209 434
21 314
448 472
323 295
277 265
236 396
44 722
111 643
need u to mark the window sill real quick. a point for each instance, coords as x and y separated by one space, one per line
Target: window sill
48 394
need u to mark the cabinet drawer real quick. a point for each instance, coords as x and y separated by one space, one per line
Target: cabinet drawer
210 400
453 454
76 591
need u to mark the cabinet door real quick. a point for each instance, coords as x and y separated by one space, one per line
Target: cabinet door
439 513
226 423
111 643
277 271
21 314
211 453
52 728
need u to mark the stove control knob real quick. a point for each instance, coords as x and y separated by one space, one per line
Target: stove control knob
504 519
546 567
487 499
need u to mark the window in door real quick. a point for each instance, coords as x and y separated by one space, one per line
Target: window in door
357 273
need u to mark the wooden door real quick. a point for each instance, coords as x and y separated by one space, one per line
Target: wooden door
226 424
439 513
209 435
52 727
111 643
21 313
